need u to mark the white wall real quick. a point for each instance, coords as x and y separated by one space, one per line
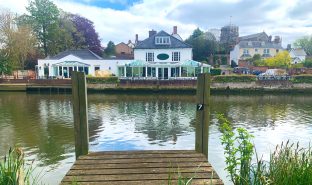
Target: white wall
296 60
185 54
234 54
110 65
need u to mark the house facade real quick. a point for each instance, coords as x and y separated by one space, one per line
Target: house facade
297 55
162 56
259 43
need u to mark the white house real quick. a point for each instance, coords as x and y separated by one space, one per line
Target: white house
61 65
297 55
160 56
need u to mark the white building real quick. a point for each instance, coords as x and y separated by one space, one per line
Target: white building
298 55
160 56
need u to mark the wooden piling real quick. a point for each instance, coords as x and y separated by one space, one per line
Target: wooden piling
202 113
79 94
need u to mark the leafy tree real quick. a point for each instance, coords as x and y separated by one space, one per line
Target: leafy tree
307 63
5 65
282 59
305 43
110 49
202 46
43 18
86 28
256 60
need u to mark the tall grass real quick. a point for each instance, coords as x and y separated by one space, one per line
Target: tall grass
13 170
289 163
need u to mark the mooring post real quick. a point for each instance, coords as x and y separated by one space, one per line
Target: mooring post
202 113
79 93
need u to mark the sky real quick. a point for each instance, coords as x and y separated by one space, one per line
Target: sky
120 20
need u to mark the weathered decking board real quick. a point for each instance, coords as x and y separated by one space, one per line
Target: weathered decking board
149 167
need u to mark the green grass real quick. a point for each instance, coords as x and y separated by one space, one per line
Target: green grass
13 170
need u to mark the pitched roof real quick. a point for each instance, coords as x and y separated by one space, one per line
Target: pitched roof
259 44
149 43
84 54
255 37
298 52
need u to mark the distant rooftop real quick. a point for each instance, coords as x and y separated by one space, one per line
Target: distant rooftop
84 54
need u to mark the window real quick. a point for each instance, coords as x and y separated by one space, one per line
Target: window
162 40
175 56
266 51
277 50
96 68
256 50
246 52
149 57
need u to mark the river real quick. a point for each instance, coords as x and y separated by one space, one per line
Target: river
42 124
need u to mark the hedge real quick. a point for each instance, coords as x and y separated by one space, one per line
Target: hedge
234 78
102 80
215 71
302 79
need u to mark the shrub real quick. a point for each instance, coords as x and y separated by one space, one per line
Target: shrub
302 79
234 78
102 80
215 71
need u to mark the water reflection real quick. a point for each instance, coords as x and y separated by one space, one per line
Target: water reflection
43 124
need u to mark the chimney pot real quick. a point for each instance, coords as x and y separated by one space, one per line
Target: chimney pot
151 33
175 30
136 38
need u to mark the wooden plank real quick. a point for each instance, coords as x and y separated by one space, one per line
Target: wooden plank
147 160
79 93
142 152
150 182
141 156
139 171
140 165
132 177
202 113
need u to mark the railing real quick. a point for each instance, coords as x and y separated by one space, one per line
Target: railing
274 77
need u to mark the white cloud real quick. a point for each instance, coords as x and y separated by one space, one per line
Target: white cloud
290 19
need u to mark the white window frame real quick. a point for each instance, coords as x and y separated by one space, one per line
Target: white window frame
245 51
266 51
176 56
149 56
164 40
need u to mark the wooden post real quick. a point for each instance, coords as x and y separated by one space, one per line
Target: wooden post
202 113
79 92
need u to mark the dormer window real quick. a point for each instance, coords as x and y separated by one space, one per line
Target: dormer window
162 40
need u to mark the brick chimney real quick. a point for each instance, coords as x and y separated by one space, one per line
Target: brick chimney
175 30
136 38
151 33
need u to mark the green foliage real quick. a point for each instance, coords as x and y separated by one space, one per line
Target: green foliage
256 60
102 80
307 63
234 78
13 171
5 65
302 79
238 151
305 43
110 49
215 71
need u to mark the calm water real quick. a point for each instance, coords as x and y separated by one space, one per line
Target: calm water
43 125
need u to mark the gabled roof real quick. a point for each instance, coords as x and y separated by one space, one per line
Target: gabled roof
149 43
298 52
255 37
83 54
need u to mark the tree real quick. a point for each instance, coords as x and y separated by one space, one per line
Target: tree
282 60
43 19
307 63
86 28
203 47
305 43
110 49
5 67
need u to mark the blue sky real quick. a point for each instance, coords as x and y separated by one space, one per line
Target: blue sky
113 4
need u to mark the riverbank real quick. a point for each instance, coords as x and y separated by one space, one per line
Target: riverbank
216 88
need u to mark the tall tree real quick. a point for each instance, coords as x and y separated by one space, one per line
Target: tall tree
43 18
202 45
91 37
110 49
305 43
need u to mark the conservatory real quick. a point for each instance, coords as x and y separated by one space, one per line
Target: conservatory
139 69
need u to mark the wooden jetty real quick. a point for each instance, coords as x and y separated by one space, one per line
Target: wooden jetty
146 167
